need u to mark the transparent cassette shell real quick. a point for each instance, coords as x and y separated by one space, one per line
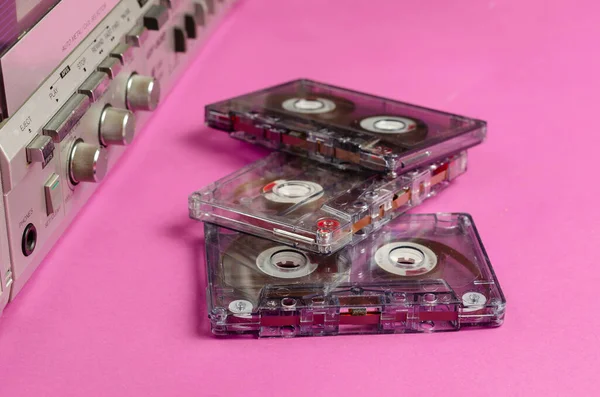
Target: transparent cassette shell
351 291
315 206
340 126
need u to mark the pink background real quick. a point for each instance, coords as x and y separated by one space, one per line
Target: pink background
118 307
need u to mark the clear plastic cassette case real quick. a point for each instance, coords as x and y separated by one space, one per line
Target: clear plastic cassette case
419 273
341 126
315 206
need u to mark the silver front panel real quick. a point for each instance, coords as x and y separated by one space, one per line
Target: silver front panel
37 189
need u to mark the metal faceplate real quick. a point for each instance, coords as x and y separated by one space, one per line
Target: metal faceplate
60 89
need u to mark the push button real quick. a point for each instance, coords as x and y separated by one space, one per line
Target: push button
40 150
191 30
156 17
179 36
123 53
52 192
66 117
200 13
95 85
136 37
110 66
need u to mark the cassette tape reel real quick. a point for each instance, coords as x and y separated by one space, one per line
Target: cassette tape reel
394 130
419 273
312 106
341 126
314 206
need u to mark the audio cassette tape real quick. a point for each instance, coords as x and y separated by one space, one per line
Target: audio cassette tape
341 126
316 206
419 273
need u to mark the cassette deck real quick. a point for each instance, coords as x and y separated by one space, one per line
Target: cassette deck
78 80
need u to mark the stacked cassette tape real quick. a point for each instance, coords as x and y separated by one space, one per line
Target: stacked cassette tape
419 273
316 206
345 127
312 240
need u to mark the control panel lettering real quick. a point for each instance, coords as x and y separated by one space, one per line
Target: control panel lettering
25 218
25 124
53 93
84 28
65 71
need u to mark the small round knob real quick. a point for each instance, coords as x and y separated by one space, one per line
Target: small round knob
117 126
143 93
87 163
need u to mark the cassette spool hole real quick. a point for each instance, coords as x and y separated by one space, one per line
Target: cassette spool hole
388 124
407 256
288 259
293 189
309 105
284 262
292 192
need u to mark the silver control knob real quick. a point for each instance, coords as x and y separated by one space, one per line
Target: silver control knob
87 163
143 93
117 126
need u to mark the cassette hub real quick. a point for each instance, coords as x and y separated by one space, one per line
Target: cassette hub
388 124
307 105
284 262
406 258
